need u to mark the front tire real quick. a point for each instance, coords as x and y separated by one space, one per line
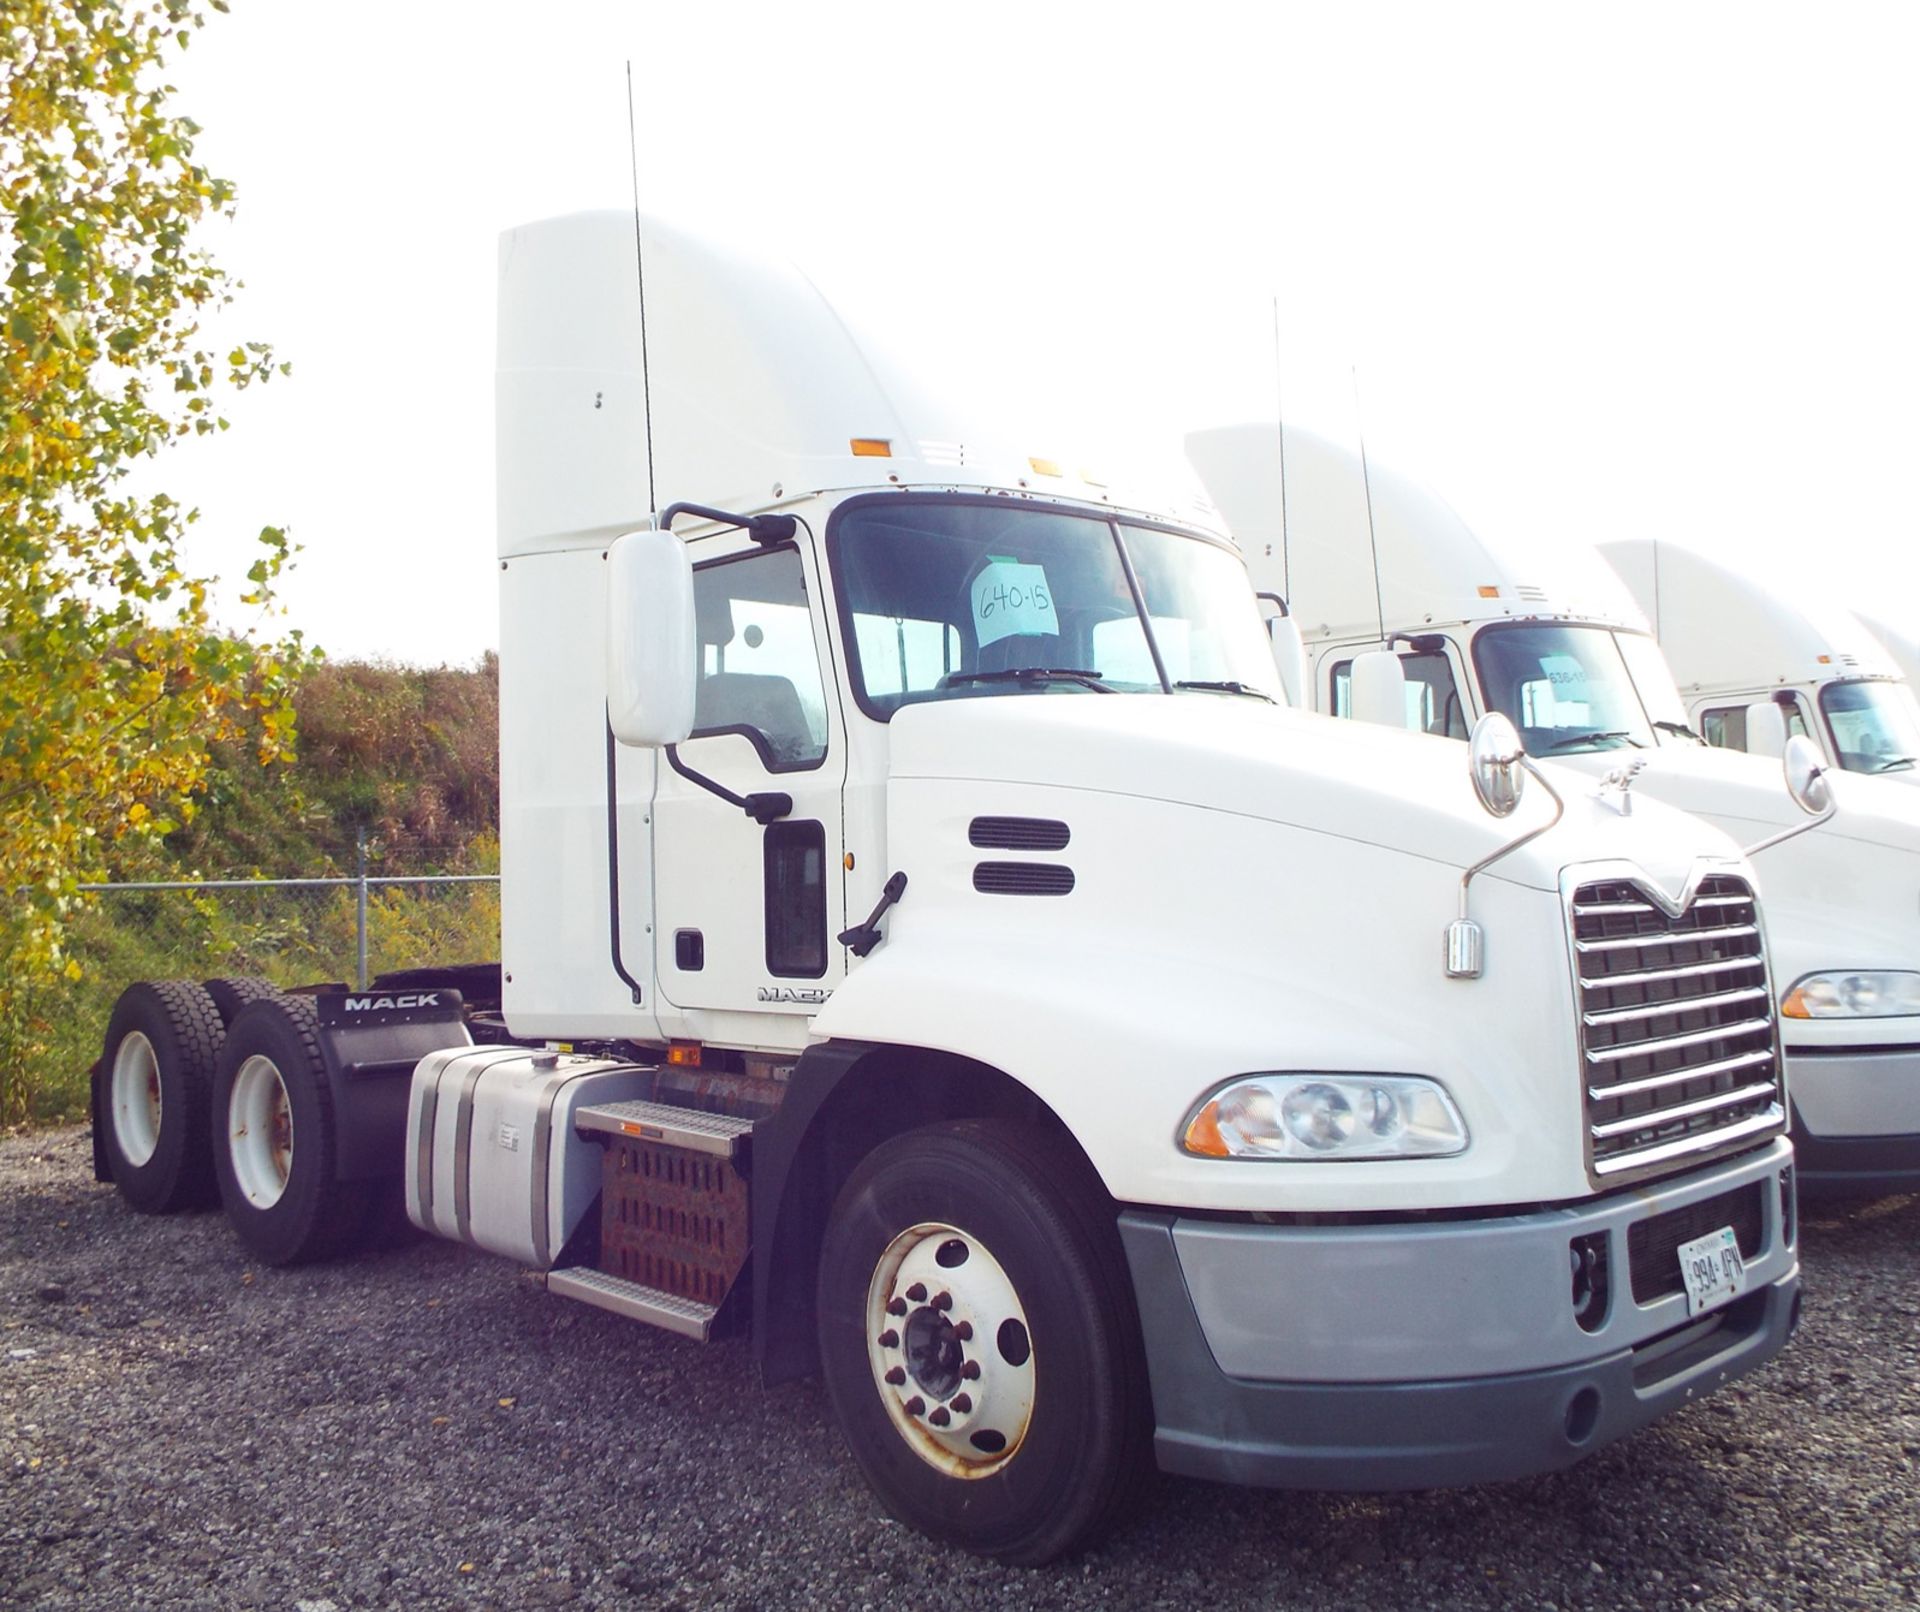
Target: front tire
156 1071
274 1147
979 1341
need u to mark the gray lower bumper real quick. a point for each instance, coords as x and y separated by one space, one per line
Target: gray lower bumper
1481 1421
1856 1118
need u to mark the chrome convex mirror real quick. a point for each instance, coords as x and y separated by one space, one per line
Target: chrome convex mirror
1806 771
1498 760
1500 764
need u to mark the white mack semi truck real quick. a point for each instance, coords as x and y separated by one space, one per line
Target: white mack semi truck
1735 642
932 951
1404 615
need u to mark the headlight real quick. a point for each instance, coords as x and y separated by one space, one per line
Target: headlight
1886 995
1315 1116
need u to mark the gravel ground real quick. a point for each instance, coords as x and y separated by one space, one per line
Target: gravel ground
426 1427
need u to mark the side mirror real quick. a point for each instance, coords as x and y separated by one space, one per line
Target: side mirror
1379 689
1806 771
1766 729
1290 656
653 657
1497 760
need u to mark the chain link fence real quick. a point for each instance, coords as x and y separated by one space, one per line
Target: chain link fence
292 931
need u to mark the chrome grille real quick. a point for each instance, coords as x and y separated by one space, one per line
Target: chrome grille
1678 1048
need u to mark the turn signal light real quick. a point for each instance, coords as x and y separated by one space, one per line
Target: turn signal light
871 448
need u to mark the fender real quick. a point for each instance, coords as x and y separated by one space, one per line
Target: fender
370 1041
1091 1034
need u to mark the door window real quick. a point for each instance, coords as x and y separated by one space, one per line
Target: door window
1433 699
759 669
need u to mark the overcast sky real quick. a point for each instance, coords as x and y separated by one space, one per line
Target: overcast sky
1623 270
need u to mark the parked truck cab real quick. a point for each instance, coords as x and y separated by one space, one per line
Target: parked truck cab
931 948
1733 641
1547 634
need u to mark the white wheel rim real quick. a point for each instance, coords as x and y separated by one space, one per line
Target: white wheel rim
260 1132
951 1351
136 1098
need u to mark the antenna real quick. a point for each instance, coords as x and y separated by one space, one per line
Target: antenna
640 269
1366 481
1280 422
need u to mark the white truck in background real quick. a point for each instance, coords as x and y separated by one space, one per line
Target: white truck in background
1406 616
1735 641
1898 639
931 950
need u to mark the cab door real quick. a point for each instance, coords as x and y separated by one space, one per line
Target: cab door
745 912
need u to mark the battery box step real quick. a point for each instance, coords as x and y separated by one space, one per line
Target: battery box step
688 1317
722 1135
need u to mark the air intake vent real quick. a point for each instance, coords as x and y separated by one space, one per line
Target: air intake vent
1676 1026
1530 593
1018 834
1022 879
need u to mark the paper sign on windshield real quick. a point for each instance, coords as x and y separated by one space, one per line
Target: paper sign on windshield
1012 599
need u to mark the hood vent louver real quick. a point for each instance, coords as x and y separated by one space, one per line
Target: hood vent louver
1022 879
1018 834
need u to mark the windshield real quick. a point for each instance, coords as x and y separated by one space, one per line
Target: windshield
1875 726
1567 689
959 598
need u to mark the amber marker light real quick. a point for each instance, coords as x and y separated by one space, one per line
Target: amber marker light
686 1053
1044 467
1488 591
871 448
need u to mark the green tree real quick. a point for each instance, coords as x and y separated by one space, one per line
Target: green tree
114 676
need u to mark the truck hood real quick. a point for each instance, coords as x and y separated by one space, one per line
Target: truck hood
1747 795
1349 780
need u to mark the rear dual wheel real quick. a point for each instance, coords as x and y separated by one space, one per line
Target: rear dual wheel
980 1343
275 1149
156 1073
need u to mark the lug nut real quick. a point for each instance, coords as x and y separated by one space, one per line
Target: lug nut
896 1306
896 1376
963 1330
918 1292
915 1405
971 1371
943 1301
962 1403
889 1339
940 1418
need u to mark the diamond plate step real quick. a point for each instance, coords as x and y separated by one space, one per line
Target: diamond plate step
719 1134
687 1317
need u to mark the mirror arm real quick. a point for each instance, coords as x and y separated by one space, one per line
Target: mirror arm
1789 833
761 528
763 808
1274 598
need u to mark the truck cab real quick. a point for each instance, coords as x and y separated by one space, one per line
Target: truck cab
1732 642
1548 635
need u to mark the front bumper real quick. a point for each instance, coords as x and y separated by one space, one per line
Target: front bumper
1856 1117
1432 1354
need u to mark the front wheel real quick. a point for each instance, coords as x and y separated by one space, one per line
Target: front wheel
979 1341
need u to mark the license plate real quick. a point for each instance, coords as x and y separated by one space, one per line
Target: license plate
1713 1270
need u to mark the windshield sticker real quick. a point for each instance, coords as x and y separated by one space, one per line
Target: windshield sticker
1012 600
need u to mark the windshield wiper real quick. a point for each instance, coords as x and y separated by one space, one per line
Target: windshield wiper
1589 738
1888 763
1678 727
1035 674
1226 688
